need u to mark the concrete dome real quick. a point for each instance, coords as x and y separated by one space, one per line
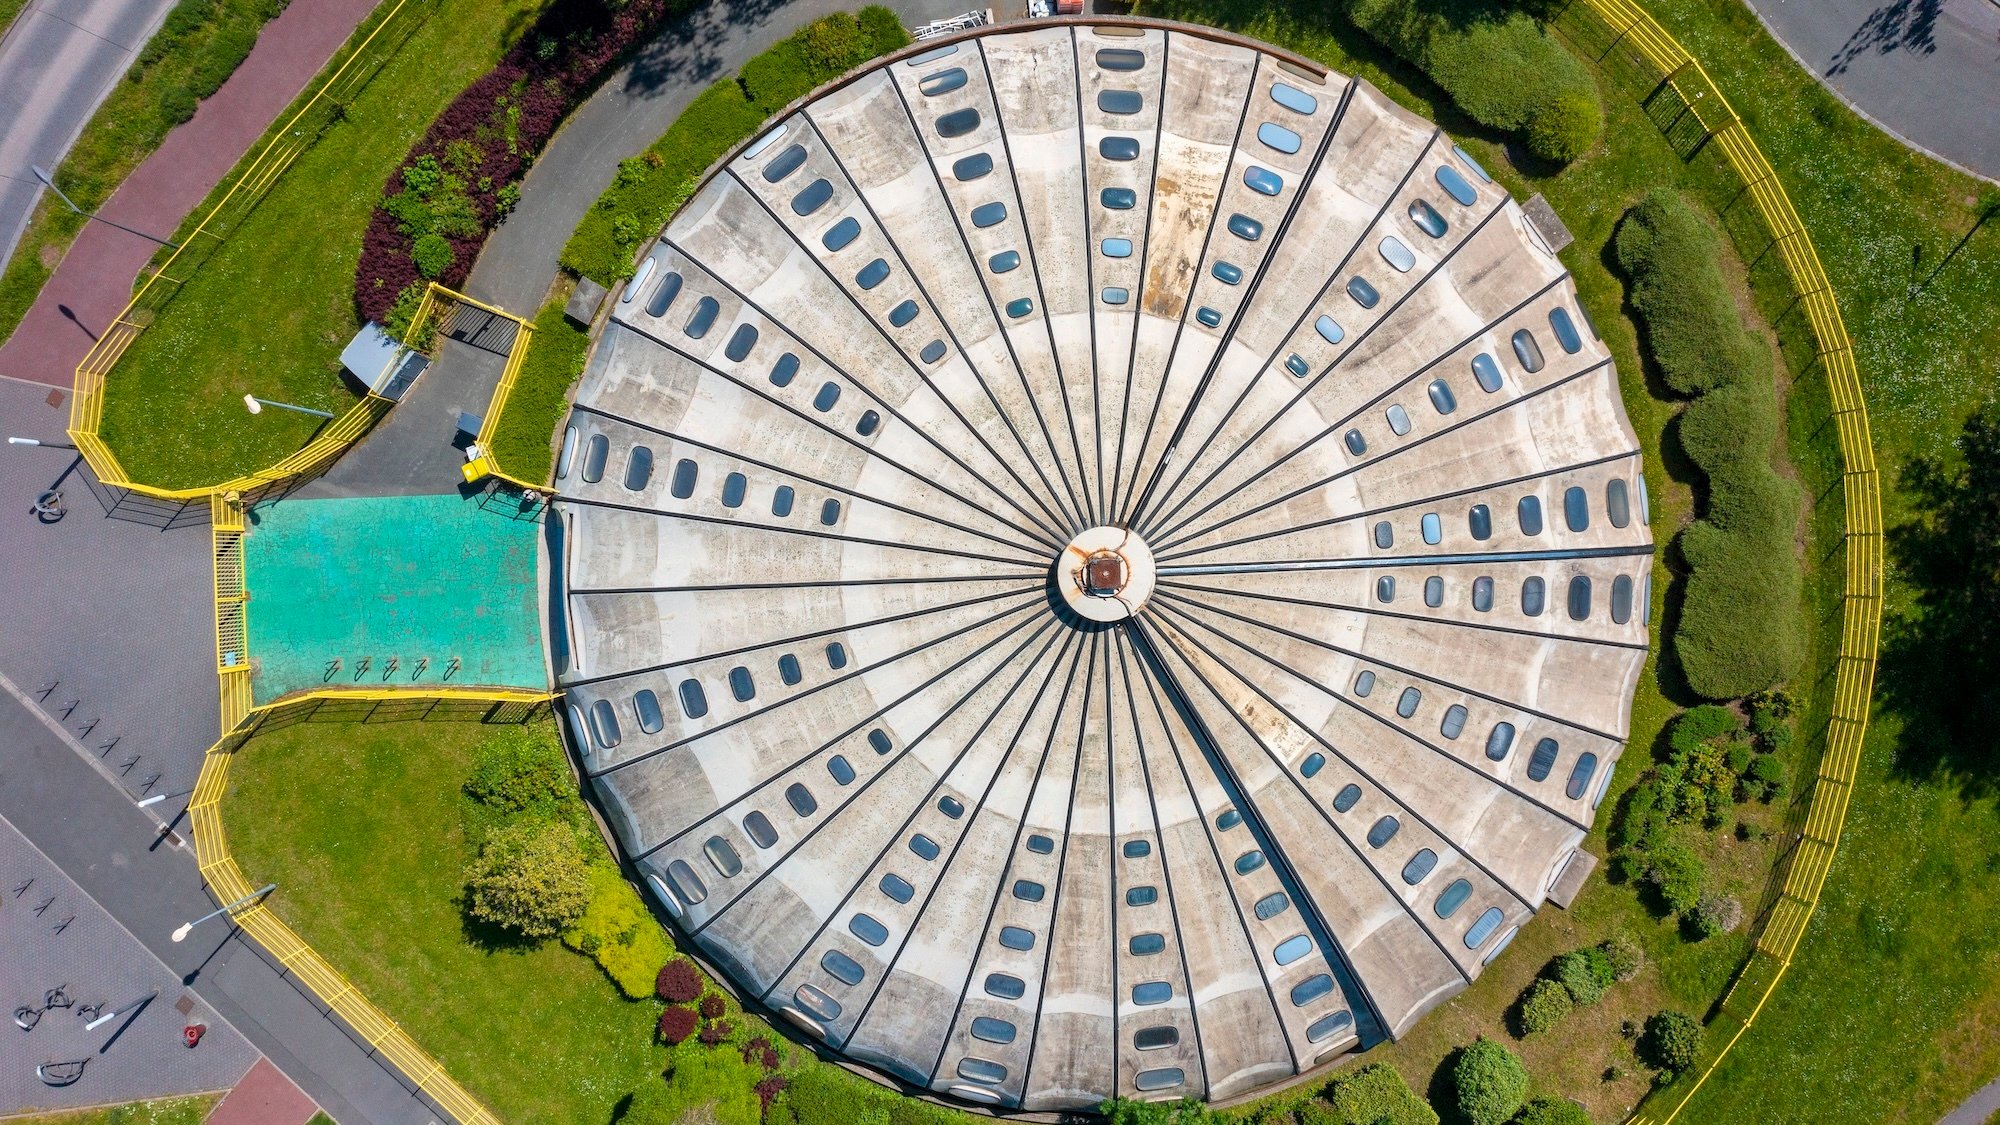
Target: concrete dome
1186 313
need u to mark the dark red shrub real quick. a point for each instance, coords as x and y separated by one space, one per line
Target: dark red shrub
715 1031
678 982
769 1089
711 1006
676 1024
755 1048
770 1059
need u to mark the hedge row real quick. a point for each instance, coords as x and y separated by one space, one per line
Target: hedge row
1740 629
462 178
1499 64
650 187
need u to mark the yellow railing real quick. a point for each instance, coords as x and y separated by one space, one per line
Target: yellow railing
325 106
227 883
1646 43
486 464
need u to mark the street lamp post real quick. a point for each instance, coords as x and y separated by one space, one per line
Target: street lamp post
39 442
48 181
257 405
182 933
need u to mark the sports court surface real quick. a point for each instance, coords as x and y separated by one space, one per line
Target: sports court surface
398 590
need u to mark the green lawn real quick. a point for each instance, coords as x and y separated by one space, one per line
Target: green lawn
167 1111
522 443
273 306
1892 1009
362 828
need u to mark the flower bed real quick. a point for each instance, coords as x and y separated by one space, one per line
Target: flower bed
462 178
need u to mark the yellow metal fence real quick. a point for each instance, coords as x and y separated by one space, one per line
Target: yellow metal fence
227 882
486 464
1643 41
325 106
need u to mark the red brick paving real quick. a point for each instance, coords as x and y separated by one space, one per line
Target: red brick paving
264 1097
95 279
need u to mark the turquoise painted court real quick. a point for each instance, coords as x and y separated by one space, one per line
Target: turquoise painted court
396 589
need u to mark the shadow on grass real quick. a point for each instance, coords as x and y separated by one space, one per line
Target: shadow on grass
1939 667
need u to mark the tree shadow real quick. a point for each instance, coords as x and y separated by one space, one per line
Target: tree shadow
1939 667
1901 25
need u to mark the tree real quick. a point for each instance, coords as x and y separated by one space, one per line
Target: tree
529 877
1489 1081
1671 1042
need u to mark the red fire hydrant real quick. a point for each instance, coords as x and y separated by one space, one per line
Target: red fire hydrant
191 1034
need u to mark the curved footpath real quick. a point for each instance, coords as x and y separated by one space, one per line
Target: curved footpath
410 452
1925 71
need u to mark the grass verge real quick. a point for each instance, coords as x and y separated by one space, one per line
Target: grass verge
522 443
270 310
165 1111
199 45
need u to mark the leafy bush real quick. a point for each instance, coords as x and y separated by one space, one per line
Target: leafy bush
825 1095
1765 779
1677 873
1131 1111
1502 68
678 982
1489 1082
712 1006
777 77
1623 956
883 29
1552 1111
1690 322
617 931
522 769
1373 1095
529 877
1543 1006
1671 1042
676 1024
432 254
1642 816
832 44
1584 973
1737 757
1715 914
1698 726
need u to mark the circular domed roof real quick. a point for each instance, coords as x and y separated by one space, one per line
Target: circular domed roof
1097 559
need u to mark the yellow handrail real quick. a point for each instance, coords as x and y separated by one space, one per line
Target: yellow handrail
227 882
1826 804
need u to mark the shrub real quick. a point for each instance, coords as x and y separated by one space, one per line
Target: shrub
1671 1042
1502 67
432 254
1766 777
712 1006
832 44
714 1032
1583 973
1770 710
1677 873
1623 956
1715 914
1374 1095
676 1024
1739 625
619 934
522 769
704 1085
777 77
1543 1006
1565 128
177 105
1131 1111
1489 1082
1700 725
883 29
678 982
540 398
1689 320
1738 757
529 877
1642 816
1552 1111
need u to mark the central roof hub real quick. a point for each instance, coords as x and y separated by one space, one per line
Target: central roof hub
1105 574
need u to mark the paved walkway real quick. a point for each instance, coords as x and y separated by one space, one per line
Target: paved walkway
95 278
1926 71
411 450
57 63
1977 1109
264 1097
52 934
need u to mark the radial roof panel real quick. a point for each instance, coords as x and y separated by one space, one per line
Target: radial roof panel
1093 562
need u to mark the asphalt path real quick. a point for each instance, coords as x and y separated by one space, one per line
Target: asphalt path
411 451
1925 71
59 60
118 855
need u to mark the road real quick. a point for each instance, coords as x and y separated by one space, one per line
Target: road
1925 71
59 60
